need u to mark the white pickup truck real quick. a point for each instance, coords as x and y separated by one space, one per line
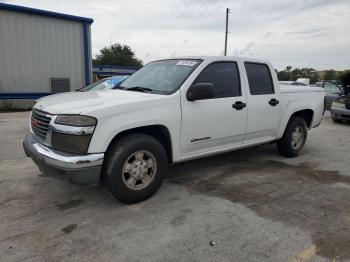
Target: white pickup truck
169 111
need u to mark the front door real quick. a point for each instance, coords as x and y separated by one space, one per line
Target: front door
216 123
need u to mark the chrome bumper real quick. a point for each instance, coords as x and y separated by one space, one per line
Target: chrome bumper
81 169
340 114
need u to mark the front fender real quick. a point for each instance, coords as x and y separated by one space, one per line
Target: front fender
107 128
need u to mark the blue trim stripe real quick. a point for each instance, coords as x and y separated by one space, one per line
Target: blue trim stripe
112 66
86 53
112 73
34 11
21 95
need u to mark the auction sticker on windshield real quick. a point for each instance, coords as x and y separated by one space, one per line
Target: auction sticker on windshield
186 63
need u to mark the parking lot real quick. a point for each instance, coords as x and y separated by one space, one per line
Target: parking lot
248 205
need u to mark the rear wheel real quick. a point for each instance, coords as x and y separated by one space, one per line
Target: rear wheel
294 137
135 167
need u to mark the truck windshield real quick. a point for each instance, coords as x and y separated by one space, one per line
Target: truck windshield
161 77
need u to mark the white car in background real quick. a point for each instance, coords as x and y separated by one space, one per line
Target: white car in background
298 82
291 83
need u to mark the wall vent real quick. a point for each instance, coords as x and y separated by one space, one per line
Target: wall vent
59 85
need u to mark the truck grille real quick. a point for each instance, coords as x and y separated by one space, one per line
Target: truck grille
40 123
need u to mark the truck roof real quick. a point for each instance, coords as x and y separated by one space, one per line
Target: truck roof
221 58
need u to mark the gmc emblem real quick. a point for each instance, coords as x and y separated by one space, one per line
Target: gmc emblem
35 122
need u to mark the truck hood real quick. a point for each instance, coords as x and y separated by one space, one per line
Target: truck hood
80 102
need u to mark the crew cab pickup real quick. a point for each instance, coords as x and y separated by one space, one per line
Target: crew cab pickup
169 111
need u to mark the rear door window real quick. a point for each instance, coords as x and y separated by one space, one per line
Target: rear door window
259 78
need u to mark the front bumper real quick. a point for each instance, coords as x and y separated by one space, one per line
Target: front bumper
340 114
80 169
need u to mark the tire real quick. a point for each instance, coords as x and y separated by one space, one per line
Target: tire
124 168
287 145
336 120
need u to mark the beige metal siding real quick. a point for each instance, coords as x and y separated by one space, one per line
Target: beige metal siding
35 48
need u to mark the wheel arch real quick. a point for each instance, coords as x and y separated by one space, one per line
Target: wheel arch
159 132
306 114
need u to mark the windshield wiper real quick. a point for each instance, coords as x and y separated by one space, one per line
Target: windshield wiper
139 89
120 87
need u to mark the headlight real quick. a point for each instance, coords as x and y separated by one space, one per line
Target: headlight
337 105
72 133
76 120
78 144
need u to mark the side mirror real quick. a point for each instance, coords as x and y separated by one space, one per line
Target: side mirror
200 91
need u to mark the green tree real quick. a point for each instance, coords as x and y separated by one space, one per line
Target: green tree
288 69
313 75
117 54
330 75
292 75
284 75
341 74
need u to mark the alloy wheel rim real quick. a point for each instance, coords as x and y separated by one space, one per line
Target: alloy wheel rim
139 170
297 137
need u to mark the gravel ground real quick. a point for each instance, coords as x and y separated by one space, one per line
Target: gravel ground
248 205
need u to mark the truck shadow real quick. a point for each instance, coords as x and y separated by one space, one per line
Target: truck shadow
344 123
317 201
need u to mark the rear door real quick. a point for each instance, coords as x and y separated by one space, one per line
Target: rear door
264 105
214 124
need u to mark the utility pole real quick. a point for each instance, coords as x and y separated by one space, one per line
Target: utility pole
226 32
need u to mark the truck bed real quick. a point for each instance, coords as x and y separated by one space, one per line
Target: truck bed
300 89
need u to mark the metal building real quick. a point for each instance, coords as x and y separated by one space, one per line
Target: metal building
43 51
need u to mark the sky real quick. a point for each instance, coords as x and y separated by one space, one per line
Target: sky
300 33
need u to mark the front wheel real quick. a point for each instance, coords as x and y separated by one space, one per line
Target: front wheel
135 168
294 137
